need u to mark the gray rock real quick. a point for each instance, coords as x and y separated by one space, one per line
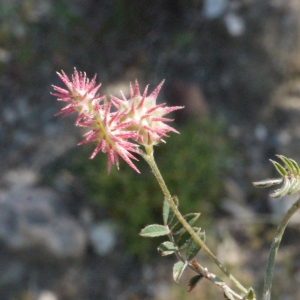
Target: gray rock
47 295
214 8
34 220
103 237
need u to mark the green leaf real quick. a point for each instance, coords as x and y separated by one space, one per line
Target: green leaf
295 185
168 214
288 164
280 169
155 230
228 295
166 248
267 182
178 269
193 282
191 218
193 247
183 240
296 166
283 190
250 295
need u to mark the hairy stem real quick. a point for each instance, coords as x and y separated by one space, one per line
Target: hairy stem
213 278
274 248
196 267
150 160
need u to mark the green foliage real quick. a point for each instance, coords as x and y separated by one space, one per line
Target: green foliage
178 228
166 248
193 247
192 164
193 282
178 269
155 230
250 295
289 176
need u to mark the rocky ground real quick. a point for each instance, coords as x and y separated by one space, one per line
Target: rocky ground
238 61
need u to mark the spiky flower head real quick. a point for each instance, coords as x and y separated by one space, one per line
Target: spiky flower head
120 130
107 129
81 94
111 136
146 116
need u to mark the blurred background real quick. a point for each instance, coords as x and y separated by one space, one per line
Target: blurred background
70 232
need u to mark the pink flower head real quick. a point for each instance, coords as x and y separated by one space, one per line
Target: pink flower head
111 136
107 128
146 116
81 93
138 120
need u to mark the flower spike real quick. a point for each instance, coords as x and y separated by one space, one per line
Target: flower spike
81 93
146 115
119 131
107 129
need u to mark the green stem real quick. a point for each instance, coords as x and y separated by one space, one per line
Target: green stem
213 278
150 160
274 248
196 267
